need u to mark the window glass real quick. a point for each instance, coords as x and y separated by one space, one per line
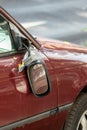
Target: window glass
5 36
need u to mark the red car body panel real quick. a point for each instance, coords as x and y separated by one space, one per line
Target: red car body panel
15 91
67 68
53 122
70 65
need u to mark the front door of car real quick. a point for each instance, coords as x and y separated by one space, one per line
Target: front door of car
17 102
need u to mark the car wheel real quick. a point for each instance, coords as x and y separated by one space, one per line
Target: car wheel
77 118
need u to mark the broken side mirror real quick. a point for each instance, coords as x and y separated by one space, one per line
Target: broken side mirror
20 42
38 78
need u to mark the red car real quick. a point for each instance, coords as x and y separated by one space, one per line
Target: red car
43 83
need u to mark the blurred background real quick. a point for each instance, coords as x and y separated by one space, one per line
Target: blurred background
56 19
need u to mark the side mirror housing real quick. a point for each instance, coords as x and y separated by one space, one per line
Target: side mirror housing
38 78
20 42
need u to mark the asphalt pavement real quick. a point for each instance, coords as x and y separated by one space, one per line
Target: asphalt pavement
57 19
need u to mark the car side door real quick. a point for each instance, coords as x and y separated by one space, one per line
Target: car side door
17 102
10 103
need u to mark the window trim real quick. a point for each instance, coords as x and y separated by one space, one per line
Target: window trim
11 53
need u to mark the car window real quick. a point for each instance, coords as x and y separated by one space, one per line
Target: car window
6 44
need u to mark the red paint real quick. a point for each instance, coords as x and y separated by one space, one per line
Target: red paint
67 68
70 65
13 98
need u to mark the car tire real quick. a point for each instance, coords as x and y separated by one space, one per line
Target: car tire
77 118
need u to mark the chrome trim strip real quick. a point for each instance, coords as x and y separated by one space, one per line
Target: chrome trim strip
36 117
26 121
65 107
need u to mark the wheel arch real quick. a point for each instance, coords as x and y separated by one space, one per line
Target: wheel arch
83 90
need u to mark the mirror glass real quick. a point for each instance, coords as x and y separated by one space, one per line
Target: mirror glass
39 79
